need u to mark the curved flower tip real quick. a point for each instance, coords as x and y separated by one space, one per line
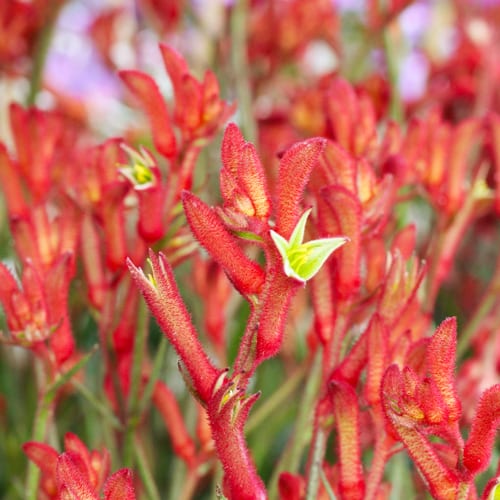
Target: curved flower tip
120 486
303 260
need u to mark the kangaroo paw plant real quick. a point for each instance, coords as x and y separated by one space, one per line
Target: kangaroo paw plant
249 249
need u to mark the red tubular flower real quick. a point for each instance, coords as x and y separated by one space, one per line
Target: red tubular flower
463 140
165 302
418 405
291 486
378 345
213 286
103 33
11 185
478 448
199 111
119 486
152 102
163 14
242 178
228 410
43 239
113 222
336 167
494 128
101 194
340 213
294 171
322 294
404 241
37 313
440 359
78 472
399 295
351 117
56 288
93 262
167 405
144 176
375 257
441 480
246 276
20 22
36 134
346 412
279 32
71 478
354 362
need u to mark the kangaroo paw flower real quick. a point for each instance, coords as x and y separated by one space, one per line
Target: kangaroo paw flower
303 260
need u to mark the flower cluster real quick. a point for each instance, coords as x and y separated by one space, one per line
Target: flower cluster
263 263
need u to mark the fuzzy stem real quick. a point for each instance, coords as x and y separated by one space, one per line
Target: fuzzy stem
246 352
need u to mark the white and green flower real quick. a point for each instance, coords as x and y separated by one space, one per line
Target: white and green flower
303 260
140 171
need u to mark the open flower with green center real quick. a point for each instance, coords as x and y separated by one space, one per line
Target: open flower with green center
303 260
141 170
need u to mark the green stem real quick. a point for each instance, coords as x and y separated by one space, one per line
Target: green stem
318 452
395 108
43 416
485 307
44 411
217 482
334 351
158 362
180 471
41 50
377 465
446 248
326 485
401 482
291 457
145 472
134 403
239 61
279 398
101 408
